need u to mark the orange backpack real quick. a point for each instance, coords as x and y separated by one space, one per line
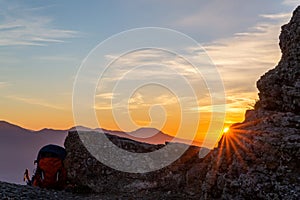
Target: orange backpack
50 171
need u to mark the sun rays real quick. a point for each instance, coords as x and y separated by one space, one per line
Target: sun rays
236 145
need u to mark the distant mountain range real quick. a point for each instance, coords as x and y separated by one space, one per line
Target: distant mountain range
19 146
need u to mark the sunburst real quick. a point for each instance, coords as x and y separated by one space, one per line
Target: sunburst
236 144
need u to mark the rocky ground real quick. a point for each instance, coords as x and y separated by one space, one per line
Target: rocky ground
13 191
257 159
9 191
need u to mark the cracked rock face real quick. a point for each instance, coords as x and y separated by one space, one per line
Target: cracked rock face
279 89
85 171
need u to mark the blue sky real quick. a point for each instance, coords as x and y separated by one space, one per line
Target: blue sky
42 44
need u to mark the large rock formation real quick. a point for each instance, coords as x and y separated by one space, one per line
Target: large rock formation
280 87
88 173
258 159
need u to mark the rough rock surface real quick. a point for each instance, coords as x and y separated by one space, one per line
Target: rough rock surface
280 87
9 191
86 171
257 159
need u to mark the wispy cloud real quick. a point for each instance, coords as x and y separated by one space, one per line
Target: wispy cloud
107 95
209 15
58 58
139 100
243 58
155 64
19 26
254 51
35 101
278 16
291 2
148 100
4 84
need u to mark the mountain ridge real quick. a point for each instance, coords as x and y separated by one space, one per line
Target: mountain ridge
135 135
23 145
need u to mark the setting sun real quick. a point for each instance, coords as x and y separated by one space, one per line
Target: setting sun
226 129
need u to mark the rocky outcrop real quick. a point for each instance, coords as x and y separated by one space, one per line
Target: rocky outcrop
257 159
87 172
280 87
260 158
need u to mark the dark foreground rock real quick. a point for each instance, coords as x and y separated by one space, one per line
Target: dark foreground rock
9 191
88 173
280 87
257 159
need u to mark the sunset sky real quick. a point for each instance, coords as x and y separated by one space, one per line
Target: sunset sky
43 44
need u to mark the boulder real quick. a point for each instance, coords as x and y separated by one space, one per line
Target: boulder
85 171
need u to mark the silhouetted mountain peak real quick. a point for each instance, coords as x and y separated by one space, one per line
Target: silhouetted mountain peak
80 128
7 126
146 132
